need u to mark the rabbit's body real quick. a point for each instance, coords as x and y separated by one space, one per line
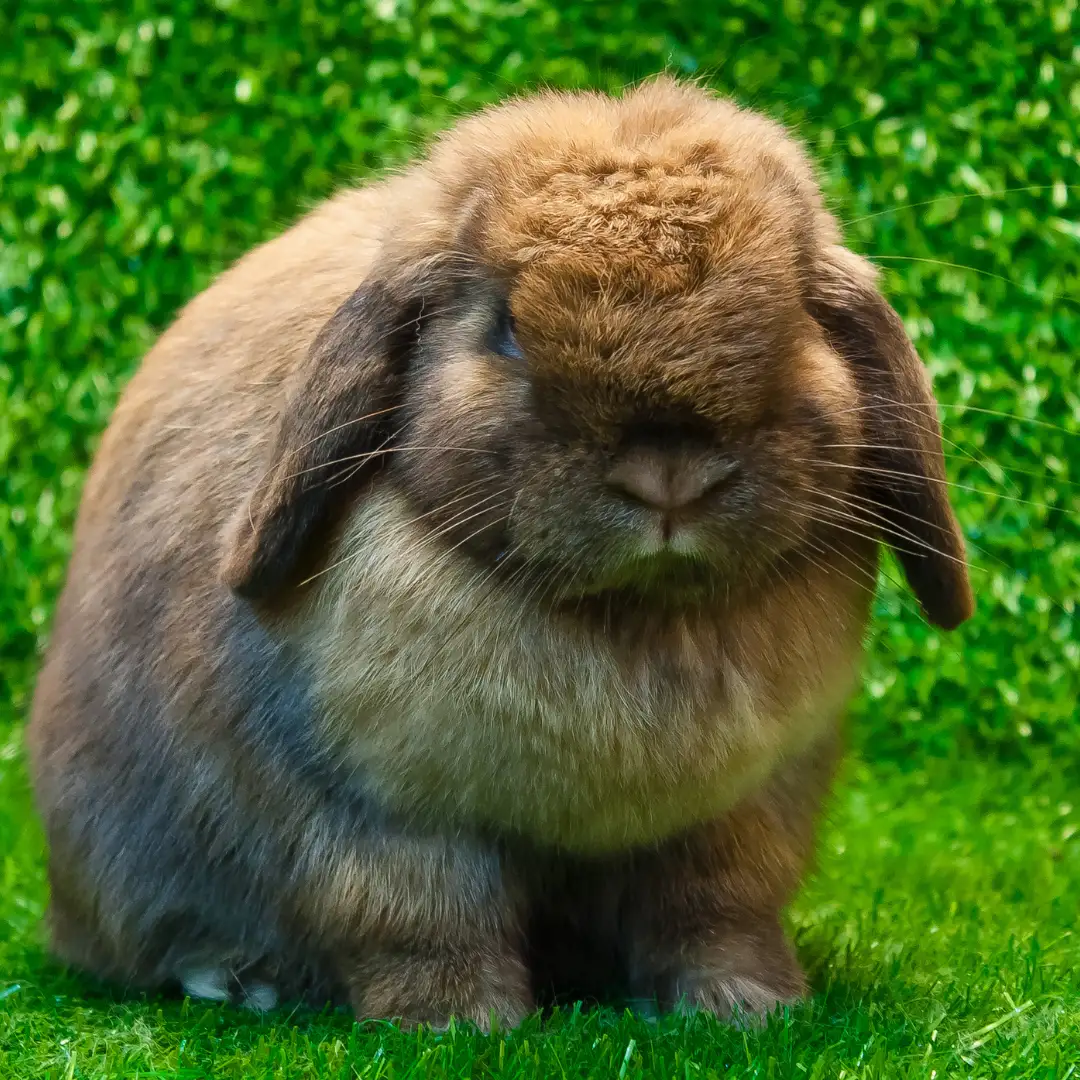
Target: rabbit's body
389 695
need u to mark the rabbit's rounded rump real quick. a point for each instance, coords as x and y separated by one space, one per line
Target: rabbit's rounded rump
469 583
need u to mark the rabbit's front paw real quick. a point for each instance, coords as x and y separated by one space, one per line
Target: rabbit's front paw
432 986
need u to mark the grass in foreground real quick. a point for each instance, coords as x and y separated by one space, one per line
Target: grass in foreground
938 933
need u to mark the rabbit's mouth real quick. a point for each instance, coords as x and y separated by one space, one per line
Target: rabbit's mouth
666 577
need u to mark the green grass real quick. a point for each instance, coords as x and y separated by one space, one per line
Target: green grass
143 147
939 931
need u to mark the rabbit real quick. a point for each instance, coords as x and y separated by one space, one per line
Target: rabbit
468 587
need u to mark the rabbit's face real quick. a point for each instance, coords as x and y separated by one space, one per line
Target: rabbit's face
632 397
612 347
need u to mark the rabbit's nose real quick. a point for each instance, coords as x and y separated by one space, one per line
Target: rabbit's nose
668 481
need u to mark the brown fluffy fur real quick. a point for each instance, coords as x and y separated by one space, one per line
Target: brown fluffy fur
365 682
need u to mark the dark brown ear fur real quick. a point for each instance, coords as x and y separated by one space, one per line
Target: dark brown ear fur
903 470
342 408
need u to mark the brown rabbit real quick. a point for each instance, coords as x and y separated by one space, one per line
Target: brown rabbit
469 584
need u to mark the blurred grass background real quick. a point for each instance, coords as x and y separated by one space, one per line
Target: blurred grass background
144 147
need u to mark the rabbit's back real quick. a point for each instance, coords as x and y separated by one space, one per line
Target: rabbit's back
164 706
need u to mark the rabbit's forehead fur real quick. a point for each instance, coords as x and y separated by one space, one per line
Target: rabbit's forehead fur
662 226
663 239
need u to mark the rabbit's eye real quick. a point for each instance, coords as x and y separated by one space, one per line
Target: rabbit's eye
503 339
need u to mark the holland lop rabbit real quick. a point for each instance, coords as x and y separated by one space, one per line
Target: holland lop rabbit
468 587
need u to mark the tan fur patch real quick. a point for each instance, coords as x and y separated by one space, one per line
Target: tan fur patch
461 703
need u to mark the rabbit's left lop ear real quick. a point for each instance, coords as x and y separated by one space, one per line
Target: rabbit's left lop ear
903 469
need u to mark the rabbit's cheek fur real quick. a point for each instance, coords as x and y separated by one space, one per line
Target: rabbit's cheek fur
456 701
456 458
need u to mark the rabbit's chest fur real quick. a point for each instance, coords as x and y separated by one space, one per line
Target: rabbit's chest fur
452 702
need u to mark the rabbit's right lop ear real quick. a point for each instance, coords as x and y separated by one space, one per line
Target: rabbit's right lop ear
340 414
